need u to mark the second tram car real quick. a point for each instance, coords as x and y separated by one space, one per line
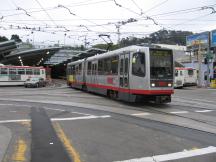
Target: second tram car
17 75
131 74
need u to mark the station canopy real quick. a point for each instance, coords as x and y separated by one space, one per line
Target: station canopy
64 56
30 57
25 54
6 47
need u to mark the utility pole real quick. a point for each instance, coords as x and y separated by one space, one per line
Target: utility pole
121 23
200 66
32 37
118 32
208 68
85 42
64 38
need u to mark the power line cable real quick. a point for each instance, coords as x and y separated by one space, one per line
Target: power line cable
72 13
180 11
46 12
141 11
157 5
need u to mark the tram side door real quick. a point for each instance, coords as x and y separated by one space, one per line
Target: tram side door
124 76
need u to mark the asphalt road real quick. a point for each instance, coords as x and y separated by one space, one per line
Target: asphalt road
62 124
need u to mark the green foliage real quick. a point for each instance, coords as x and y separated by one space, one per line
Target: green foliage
16 38
161 37
107 46
3 38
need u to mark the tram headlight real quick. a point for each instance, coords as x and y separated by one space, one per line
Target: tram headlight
153 84
169 85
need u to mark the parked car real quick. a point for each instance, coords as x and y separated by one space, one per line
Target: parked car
35 82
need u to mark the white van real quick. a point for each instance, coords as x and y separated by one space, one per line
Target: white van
185 77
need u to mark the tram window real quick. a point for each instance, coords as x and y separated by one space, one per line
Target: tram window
21 71
190 72
76 70
12 71
73 69
94 68
107 66
28 71
181 73
125 82
43 72
36 72
114 65
80 68
126 66
138 64
121 81
176 73
4 70
121 67
89 68
100 67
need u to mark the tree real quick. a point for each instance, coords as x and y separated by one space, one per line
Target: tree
106 46
162 36
16 38
3 38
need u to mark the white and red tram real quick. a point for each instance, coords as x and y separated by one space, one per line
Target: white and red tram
131 74
17 75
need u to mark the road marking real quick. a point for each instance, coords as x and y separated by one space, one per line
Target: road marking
175 156
67 143
6 104
178 112
15 105
20 150
58 119
74 112
141 114
80 118
203 111
14 121
48 108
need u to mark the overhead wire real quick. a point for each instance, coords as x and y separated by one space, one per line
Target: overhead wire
141 11
167 13
46 12
157 5
183 10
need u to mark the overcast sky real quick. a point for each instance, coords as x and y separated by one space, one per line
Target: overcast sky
75 20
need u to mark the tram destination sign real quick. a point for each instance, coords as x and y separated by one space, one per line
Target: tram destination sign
213 38
194 41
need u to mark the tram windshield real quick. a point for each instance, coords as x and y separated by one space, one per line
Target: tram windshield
161 64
